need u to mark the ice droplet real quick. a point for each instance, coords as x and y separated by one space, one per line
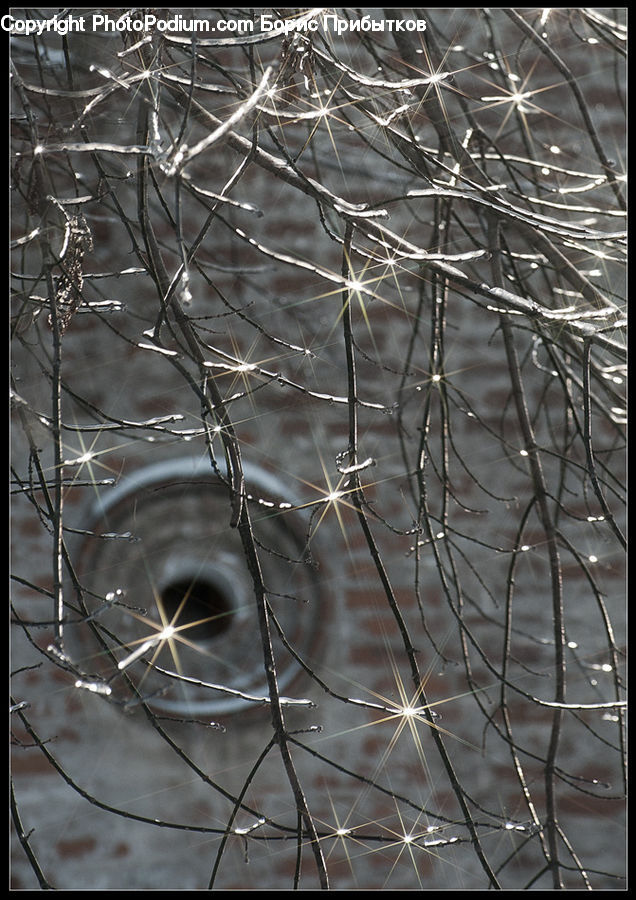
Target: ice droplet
95 687
54 650
143 648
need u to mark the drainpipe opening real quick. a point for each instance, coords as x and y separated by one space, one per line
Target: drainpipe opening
186 568
201 605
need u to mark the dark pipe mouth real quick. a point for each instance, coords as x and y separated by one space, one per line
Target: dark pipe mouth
198 606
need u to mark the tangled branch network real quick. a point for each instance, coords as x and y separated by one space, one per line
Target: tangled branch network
318 397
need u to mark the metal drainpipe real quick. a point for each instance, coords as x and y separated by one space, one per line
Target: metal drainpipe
183 566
